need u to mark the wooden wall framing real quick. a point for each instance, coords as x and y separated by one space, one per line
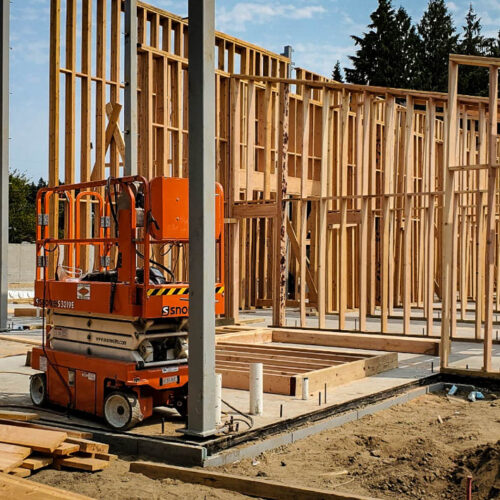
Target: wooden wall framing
338 196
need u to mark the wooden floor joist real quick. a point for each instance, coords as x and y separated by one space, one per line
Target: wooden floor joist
254 487
375 342
285 367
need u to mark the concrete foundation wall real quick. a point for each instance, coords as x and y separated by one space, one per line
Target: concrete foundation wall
21 265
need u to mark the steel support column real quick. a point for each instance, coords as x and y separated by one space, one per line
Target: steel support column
4 158
130 110
201 402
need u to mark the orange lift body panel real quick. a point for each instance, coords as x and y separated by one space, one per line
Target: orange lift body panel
129 222
169 202
94 376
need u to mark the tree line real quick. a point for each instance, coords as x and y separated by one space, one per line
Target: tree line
394 52
22 207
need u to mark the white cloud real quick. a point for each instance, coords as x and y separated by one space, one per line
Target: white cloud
237 17
33 51
321 58
31 13
177 7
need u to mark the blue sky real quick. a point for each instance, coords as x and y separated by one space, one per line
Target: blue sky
318 30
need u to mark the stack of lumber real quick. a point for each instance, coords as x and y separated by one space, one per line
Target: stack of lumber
26 446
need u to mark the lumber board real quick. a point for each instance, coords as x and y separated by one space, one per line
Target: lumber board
359 341
12 456
247 210
272 360
251 337
9 462
14 488
109 457
298 352
18 415
67 449
279 229
239 379
20 472
343 374
471 372
69 432
246 486
89 464
448 240
26 312
35 462
14 449
37 439
491 220
269 368
89 446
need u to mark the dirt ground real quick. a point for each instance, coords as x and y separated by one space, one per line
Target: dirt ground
424 450
402 452
117 483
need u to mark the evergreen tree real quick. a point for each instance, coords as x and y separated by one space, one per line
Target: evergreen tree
374 58
472 40
493 46
437 40
386 54
337 72
473 80
22 213
405 46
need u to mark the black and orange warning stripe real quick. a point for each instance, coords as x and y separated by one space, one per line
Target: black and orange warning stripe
183 290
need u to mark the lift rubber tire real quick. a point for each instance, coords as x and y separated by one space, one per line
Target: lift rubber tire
122 410
38 389
181 402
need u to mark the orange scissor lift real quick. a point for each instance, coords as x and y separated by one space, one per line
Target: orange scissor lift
115 344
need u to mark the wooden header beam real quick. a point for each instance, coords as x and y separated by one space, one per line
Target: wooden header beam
485 62
353 87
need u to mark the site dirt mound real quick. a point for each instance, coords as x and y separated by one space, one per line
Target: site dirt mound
483 465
